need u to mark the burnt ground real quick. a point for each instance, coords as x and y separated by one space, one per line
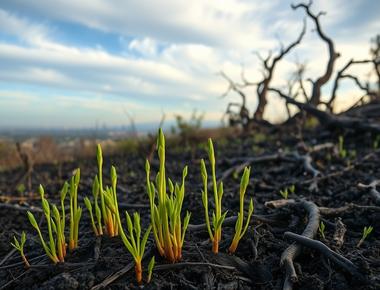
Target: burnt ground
256 263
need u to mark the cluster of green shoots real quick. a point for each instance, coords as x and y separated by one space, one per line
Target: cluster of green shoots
109 212
285 192
167 223
366 232
165 208
105 212
217 216
136 245
55 248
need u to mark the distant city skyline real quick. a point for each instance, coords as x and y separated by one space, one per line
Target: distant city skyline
71 64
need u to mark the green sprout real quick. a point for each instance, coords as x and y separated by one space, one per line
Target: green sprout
284 193
134 244
75 210
341 150
366 232
165 209
321 229
239 232
21 188
376 142
150 269
106 209
217 216
19 246
96 225
54 249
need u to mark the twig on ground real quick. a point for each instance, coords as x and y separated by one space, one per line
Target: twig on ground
340 231
375 194
20 207
7 256
307 164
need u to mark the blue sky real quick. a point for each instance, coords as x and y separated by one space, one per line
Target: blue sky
69 63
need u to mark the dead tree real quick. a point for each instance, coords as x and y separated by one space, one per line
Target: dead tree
333 55
269 66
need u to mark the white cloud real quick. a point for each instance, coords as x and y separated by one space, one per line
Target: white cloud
172 53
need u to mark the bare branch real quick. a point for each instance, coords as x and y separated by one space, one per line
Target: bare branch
333 55
262 88
340 75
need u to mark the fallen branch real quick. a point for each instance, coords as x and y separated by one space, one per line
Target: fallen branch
332 121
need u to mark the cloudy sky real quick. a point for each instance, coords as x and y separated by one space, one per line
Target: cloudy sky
70 63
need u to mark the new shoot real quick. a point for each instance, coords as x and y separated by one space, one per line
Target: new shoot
150 269
217 217
75 210
105 213
96 223
239 231
19 246
55 248
284 193
165 209
133 242
366 232
321 229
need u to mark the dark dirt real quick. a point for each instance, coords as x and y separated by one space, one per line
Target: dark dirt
256 263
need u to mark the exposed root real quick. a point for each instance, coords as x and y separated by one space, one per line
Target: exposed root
327 252
294 250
